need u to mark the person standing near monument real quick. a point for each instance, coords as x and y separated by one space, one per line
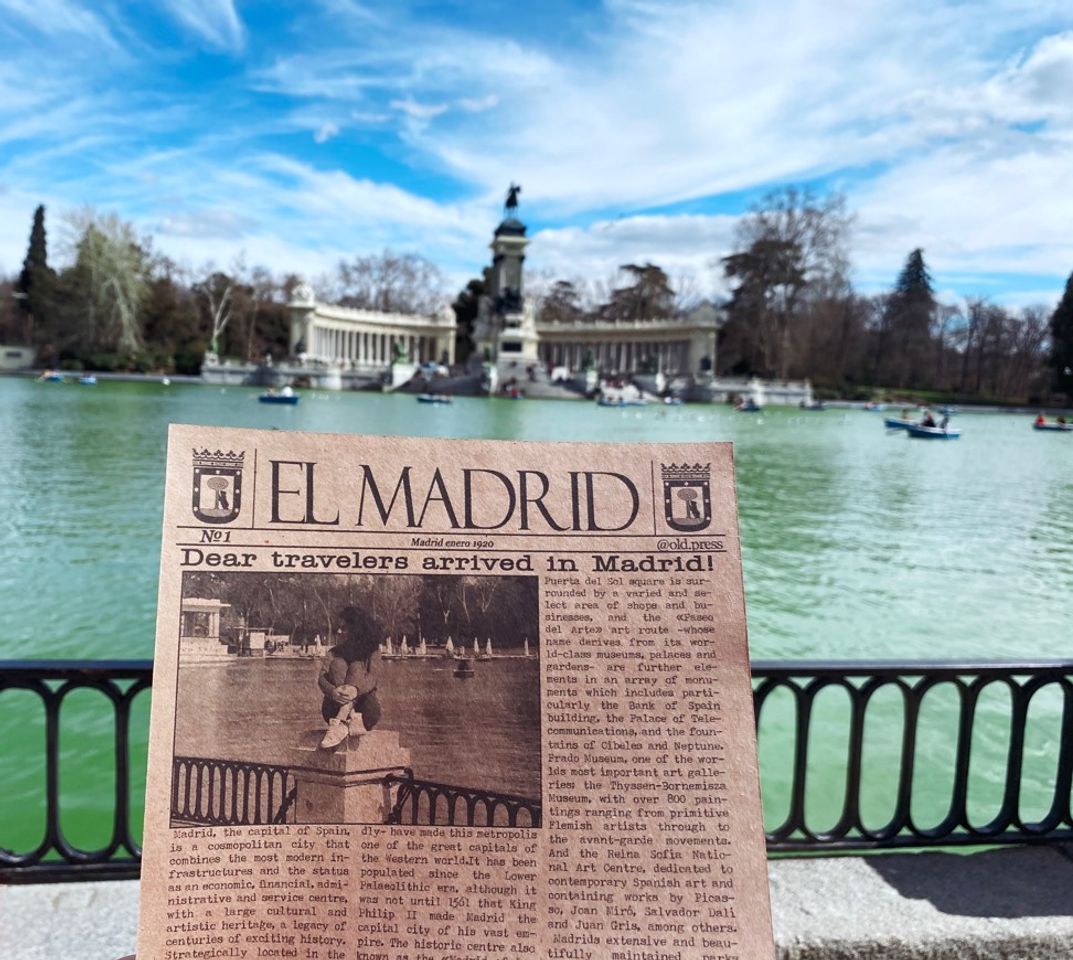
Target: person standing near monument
349 678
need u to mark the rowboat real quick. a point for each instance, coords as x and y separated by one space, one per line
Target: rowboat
621 402
932 433
897 423
433 398
1054 427
816 405
748 406
285 396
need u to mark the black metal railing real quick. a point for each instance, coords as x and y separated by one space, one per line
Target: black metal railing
963 685
208 792
805 691
427 803
120 682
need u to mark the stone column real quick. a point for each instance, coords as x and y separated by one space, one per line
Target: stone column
701 344
346 785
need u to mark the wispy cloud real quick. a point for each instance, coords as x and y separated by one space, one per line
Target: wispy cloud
55 18
325 132
478 104
685 243
642 138
216 21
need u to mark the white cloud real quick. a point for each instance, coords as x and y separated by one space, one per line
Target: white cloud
1001 211
58 19
946 134
203 225
686 244
478 104
215 21
325 132
419 111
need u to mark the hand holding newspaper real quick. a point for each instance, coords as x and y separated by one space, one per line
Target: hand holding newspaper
435 700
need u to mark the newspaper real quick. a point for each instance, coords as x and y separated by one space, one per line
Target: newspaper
439 699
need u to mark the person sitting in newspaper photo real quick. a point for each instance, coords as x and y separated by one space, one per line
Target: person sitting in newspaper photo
349 678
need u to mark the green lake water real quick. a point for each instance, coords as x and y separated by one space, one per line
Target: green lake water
858 544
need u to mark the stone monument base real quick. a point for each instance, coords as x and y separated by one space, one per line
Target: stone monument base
346 784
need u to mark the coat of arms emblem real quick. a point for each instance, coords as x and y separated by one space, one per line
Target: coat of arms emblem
217 485
687 500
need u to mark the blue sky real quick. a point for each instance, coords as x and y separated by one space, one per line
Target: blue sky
297 133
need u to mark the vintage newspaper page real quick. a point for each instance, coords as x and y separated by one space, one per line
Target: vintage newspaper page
438 699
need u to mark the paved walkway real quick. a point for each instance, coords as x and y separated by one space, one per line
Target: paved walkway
1009 904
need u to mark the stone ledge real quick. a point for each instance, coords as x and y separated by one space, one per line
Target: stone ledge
1005 904
1014 904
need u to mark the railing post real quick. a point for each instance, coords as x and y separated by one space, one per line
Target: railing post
348 784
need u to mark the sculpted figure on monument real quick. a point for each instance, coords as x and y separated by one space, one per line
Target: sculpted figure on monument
511 203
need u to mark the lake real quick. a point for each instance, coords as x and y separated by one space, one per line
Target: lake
482 732
857 543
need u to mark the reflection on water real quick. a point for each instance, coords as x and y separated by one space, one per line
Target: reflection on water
857 543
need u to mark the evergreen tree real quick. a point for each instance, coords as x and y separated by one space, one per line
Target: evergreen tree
648 296
1062 341
911 310
36 282
466 307
562 304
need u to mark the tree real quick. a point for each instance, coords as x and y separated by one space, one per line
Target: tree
1062 341
790 252
649 295
109 280
390 282
37 280
217 291
172 324
770 279
911 311
466 307
561 303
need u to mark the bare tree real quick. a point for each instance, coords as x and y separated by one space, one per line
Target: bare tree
394 603
389 282
218 292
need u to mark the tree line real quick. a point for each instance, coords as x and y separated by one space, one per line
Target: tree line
791 311
304 607
120 305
